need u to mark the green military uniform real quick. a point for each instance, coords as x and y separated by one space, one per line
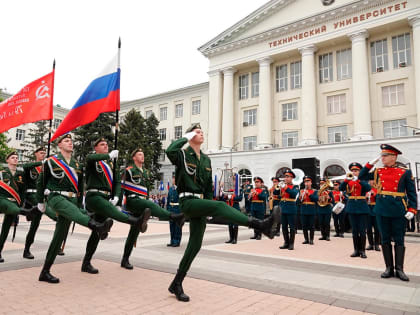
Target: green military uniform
193 175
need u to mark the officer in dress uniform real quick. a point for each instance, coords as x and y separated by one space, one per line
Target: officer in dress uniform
396 202
373 236
173 207
339 196
307 201
274 199
288 209
247 190
232 199
357 208
193 175
12 189
324 207
258 197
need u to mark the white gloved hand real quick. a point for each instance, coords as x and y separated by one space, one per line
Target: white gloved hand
113 154
409 215
46 192
375 160
229 197
282 184
190 135
114 200
41 207
354 178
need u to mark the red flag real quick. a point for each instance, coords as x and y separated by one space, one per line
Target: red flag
30 104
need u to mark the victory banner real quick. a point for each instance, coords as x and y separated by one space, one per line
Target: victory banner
30 104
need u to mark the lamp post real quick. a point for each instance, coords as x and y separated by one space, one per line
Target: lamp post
415 129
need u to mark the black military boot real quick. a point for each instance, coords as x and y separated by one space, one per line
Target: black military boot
311 236
286 239
230 235
87 267
327 232
292 240
141 221
1 259
356 247
266 226
322 238
176 287
399 262
255 235
259 236
60 252
101 228
278 229
27 253
389 261
46 276
362 244
235 234
370 240
305 235
178 218
125 263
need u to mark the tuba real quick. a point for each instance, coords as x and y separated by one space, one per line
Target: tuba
323 198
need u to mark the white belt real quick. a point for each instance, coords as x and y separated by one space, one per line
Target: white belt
100 191
174 203
31 190
70 194
135 195
189 194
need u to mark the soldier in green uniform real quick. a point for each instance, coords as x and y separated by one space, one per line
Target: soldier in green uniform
99 185
173 206
32 171
11 194
193 174
61 182
135 186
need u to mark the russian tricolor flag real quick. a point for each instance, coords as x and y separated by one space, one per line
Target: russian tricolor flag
101 96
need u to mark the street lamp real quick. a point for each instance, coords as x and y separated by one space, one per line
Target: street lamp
415 129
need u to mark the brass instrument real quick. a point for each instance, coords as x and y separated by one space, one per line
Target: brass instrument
323 198
271 198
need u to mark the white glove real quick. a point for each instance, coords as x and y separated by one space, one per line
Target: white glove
113 154
114 200
354 178
409 215
282 184
190 135
46 192
229 197
375 160
41 207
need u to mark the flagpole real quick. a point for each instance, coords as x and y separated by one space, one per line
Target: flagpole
114 171
52 104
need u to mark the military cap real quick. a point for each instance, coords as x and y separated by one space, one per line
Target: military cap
336 183
275 178
10 154
194 126
322 180
289 172
101 139
355 166
40 149
67 135
173 174
389 150
135 151
307 178
258 178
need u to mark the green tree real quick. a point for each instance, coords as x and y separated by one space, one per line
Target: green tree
38 137
4 149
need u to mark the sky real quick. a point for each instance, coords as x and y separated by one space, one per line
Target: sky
159 39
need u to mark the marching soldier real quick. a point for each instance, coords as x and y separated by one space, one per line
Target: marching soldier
194 184
136 186
274 199
357 208
173 207
258 197
307 199
247 190
233 200
338 218
11 194
99 185
325 200
61 181
396 201
373 237
288 209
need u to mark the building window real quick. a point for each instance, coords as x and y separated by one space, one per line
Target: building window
281 78
290 139
179 110
196 107
333 171
325 68
393 95
379 55
290 111
178 132
296 75
162 134
149 113
244 175
250 143
395 128
250 117
20 134
336 104
56 123
20 154
163 113
337 134
243 86
344 64
401 51
255 90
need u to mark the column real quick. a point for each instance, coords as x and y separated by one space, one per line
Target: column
227 115
214 127
362 122
308 98
415 23
264 114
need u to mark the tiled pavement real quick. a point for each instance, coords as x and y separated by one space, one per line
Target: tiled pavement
252 277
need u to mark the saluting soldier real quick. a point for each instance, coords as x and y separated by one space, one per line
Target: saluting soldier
357 208
61 181
12 189
247 190
325 200
173 207
194 184
288 209
258 197
232 199
274 199
396 201
136 185
99 189
307 200
338 218
373 236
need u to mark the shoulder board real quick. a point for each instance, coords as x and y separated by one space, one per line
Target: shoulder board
403 167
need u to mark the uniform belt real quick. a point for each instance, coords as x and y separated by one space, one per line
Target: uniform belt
190 194
257 200
135 195
31 190
357 197
288 199
308 203
392 193
70 194
174 203
100 191
372 203
276 198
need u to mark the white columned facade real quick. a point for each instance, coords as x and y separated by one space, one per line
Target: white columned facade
215 111
227 114
308 98
362 121
415 23
264 116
